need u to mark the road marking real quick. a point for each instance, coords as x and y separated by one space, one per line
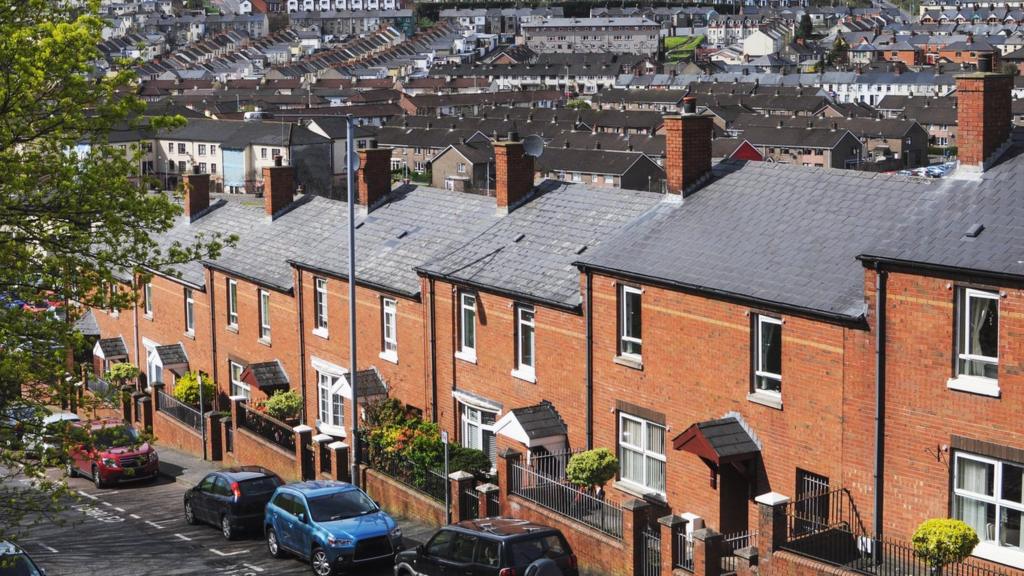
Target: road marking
154 524
236 553
135 516
120 510
90 496
108 504
254 568
53 550
183 537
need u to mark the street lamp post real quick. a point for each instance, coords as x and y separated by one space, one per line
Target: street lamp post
350 180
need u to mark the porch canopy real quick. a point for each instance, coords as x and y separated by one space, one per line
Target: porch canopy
719 442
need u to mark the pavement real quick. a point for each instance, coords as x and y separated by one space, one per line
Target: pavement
139 529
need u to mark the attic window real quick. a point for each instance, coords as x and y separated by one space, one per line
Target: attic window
973 232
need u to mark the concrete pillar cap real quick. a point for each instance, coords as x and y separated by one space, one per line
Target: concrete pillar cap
301 428
337 445
321 438
772 499
488 487
460 475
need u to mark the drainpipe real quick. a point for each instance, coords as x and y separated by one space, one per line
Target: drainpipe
302 344
590 361
135 323
433 354
880 343
213 331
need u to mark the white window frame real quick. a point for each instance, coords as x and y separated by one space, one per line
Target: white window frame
330 404
320 306
461 168
190 312
759 361
264 296
232 303
990 549
526 319
154 368
147 299
643 451
238 388
967 382
472 429
389 329
624 337
467 351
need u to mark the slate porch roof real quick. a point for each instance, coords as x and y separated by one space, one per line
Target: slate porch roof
540 420
265 375
113 347
719 441
369 383
87 325
172 354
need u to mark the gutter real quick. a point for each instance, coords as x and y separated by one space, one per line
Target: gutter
881 285
943 269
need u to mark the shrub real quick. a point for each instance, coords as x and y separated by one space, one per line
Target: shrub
186 389
943 541
120 373
386 412
471 460
592 468
284 405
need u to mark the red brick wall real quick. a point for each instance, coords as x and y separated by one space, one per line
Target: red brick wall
401 500
560 360
696 367
789 564
167 324
250 449
120 324
170 432
983 115
922 413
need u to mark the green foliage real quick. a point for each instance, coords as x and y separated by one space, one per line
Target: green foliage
121 373
943 541
1010 68
578 104
805 28
592 468
679 48
471 460
424 23
186 389
386 412
284 405
839 51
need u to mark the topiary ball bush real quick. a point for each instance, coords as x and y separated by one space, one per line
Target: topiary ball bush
284 405
592 468
943 541
186 389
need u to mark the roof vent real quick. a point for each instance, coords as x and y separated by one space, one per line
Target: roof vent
402 234
973 232
519 237
581 249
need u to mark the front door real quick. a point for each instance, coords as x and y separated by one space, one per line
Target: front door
733 493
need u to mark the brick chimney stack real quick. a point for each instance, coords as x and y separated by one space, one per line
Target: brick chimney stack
373 181
278 187
687 147
513 174
197 193
983 116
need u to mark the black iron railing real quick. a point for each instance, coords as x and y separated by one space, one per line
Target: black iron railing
178 410
684 551
267 427
566 499
433 483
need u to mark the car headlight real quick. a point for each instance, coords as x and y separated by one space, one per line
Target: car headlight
110 463
333 541
396 532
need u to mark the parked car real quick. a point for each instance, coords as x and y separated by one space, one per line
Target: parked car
16 562
488 547
233 499
49 441
333 525
110 452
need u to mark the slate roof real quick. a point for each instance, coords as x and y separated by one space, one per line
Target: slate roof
268 375
86 325
113 347
935 233
588 161
728 437
540 421
172 354
369 383
777 234
529 253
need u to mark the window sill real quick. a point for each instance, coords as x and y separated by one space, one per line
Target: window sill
525 375
336 431
995 553
974 385
466 356
190 334
321 332
232 328
629 362
264 341
769 400
147 317
389 356
639 491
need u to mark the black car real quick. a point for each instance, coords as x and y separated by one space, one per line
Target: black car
233 499
487 547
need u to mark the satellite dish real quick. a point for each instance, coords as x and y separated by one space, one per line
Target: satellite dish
533 145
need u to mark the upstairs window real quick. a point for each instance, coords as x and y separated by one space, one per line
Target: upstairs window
978 334
630 336
525 342
467 324
320 303
147 299
767 355
265 315
190 312
389 329
232 303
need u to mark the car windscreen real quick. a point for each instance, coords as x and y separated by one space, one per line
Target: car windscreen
114 436
17 565
263 485
524 552
340 505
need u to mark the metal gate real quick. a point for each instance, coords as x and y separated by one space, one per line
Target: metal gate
650 551
308 463
470 504
812 504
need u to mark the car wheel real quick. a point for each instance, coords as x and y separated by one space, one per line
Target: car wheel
273 546
190 516
225 527
97 479
321 563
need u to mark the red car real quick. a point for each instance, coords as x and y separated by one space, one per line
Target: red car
112 453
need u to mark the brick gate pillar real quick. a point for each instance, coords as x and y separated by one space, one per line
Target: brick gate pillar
340 469
484 493
303 463
506 478
214 444
671 553
321 441
771 526
634 521
458 483
707 553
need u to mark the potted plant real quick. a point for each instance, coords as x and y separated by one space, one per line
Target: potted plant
593 469
943 541
186 389
285 406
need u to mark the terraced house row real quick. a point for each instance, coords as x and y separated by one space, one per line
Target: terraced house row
760 334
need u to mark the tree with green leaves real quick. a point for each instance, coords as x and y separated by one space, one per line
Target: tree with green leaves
593 469
75 220
943 541
805 28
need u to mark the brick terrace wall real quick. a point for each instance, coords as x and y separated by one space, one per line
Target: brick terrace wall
922 413
170 432
789 564
250 449
121 324
167 324
560 360
697 367
401 500
596 552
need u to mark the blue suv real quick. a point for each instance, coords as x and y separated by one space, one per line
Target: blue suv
333 525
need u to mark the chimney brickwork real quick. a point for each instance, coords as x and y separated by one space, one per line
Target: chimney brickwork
197 194
514 173
278 187
687 150
373 181
984 117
